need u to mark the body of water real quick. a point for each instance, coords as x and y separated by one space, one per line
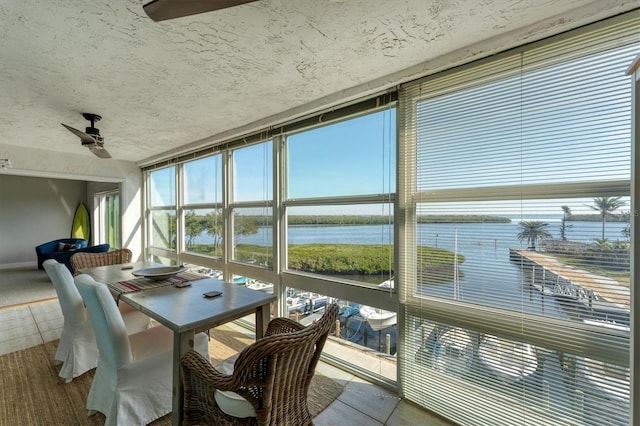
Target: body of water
487 276
435 235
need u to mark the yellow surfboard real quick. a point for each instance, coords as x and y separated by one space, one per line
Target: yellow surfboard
81 227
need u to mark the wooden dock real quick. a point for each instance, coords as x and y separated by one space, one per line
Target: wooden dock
607 289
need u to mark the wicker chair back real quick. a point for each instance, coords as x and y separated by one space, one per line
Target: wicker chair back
91 260
273 375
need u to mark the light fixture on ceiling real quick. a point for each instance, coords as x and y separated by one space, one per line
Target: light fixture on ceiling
5 163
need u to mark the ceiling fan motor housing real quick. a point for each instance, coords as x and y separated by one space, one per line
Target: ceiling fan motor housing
94 133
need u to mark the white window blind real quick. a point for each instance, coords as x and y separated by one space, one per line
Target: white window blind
514 199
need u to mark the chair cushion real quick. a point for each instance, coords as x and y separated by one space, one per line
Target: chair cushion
66 246
230 402
233 404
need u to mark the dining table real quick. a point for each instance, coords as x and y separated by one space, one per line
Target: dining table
181 305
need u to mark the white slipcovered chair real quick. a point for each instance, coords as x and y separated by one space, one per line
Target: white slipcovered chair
77 350
133 381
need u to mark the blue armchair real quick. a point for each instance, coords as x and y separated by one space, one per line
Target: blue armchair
46 250
64 256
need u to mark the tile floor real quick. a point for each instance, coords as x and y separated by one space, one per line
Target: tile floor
361 403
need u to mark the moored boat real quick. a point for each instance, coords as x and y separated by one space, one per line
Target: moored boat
377 318
507 359
259 285
240 280
302 302
347 310
453 351
387 284
613 380
607 324
295 304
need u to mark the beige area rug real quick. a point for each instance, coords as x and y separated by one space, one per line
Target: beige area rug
25 284
33 394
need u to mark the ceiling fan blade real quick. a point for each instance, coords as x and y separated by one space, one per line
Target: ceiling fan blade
161 10
99 151
84 137
94 145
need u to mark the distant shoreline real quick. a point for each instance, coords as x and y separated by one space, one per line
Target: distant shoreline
385 220
595 218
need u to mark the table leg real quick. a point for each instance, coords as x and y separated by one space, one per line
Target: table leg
262 320
182 342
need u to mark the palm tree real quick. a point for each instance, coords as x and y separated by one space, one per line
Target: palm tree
626 231
532 230
606 205
564 227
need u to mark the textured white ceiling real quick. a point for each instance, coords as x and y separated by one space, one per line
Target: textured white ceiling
162 86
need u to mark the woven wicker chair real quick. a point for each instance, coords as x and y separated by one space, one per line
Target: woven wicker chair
273 375
91 260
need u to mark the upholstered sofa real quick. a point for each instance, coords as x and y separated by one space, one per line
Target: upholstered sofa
46 250
62 250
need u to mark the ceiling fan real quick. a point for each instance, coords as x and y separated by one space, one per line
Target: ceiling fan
161 10
91 136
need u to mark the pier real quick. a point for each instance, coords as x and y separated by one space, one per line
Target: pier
552 277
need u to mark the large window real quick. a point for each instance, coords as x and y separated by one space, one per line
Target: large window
108 228
516 197
326 216
162 205
252 204
339 233
340 193
202 206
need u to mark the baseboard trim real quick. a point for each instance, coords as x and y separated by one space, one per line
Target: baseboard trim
18 265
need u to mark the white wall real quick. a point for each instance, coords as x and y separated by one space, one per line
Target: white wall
54 166
34 211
